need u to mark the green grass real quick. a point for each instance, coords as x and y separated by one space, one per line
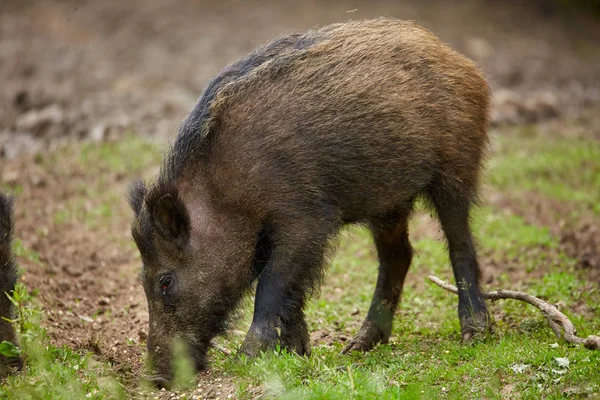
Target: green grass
19 250
131 155
92 201
424 358
423 367
53 372
566 169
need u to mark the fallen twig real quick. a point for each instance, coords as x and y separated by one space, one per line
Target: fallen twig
222 349
560 324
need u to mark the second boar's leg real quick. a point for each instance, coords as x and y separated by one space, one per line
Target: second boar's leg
453 213
292 272
395 254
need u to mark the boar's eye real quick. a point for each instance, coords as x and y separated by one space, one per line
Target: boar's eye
165 283
168 289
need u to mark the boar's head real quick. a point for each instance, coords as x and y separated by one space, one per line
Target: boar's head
196 266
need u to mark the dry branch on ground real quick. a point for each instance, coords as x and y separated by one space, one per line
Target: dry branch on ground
560 324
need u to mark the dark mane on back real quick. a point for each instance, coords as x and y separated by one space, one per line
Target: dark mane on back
195 130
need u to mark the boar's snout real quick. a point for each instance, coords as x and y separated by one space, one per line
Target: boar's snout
159 381
160 357
164 357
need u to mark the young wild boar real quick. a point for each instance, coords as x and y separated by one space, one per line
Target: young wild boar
345 124
8 278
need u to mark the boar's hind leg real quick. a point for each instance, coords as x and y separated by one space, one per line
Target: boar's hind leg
453 213
395 255
291 273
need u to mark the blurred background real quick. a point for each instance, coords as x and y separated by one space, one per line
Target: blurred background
74 70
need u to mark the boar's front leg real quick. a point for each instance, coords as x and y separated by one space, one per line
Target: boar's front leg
293 270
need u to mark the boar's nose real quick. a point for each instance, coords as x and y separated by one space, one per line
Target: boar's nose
159 381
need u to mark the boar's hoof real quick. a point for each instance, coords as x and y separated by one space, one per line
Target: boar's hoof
255 343
159 382
476 326
294 339
299 344
367 337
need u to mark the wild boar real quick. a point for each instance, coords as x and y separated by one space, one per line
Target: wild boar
345 124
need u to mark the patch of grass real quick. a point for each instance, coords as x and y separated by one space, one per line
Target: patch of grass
129 155
102 171
53 372
12 189
93 212
502 233
425 358
564 169
426 366
19 250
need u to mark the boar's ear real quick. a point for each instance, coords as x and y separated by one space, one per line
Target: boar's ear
135 195
6 221
169 215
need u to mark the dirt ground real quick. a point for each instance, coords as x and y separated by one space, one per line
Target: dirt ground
90 70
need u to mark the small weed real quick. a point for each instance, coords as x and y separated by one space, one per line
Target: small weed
19 250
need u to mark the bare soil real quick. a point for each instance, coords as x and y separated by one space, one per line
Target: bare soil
89 70
83 271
